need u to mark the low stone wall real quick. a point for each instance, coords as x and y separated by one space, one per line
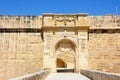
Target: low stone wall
35 76
97 75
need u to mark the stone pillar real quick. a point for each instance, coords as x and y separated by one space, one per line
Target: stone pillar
49 58
46 50
83 51
77 60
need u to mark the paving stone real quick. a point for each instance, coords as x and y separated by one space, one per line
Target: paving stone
66 76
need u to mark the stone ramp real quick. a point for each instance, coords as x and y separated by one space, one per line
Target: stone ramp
66 76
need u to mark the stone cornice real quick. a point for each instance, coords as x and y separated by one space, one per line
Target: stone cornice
20 30
65 27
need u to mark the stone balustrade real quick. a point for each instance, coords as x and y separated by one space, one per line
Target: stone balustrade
35 76
97 75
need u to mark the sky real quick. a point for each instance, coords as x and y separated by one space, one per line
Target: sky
38 7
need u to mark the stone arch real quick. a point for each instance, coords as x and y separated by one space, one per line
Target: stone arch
65 49
72 40
64 39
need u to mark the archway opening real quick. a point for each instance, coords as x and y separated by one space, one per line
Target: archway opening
65 51
61 64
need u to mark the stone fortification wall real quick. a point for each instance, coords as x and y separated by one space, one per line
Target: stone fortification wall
104 43
20 54
104 52
20 21
95 22
104 22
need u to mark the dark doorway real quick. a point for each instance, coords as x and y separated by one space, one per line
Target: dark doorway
61 64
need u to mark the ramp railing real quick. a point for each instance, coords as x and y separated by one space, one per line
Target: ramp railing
35 76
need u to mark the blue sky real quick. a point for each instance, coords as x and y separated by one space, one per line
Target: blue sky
37 7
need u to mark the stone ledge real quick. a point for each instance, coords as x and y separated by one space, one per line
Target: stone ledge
35 76
97 75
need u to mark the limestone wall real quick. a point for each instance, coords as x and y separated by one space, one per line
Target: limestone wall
95 22
20 53
104 22
20 21
104 52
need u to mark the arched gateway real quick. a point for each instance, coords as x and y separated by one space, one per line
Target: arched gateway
65 51
65 41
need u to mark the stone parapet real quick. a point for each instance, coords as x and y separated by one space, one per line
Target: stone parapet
97 75
35 76
20 22
51 20
104 22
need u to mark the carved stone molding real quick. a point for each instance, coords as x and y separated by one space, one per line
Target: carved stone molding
64 20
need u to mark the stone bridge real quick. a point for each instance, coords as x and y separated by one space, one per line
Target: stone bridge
84 75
